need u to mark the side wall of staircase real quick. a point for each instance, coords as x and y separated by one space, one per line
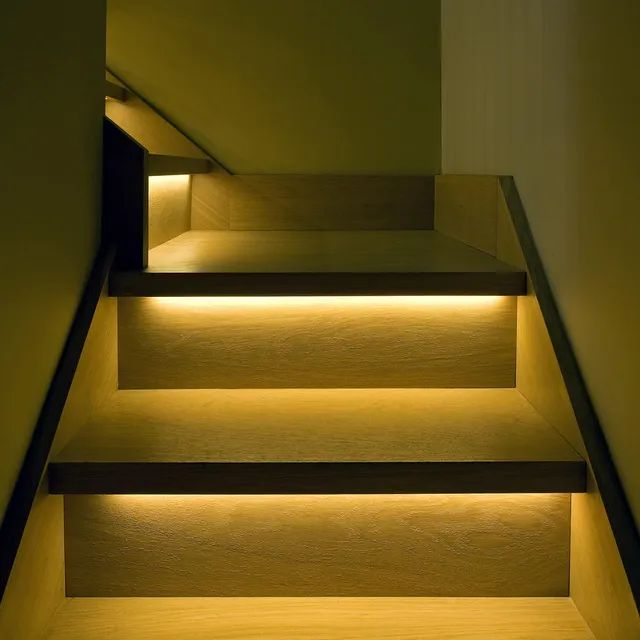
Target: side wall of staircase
562 119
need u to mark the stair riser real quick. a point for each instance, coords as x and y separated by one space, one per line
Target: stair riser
507 545
316 342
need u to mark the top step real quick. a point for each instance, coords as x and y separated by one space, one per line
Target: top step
270 263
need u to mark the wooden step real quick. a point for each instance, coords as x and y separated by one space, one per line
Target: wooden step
247 263
316 342
318 619
328 441
162 165
473 545
115 91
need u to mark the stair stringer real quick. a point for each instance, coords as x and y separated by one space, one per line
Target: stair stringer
486 212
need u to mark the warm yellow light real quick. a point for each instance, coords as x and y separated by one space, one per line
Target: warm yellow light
168 181
214 302
486 498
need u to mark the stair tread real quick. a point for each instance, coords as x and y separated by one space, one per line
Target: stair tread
318 619
490 434
317 262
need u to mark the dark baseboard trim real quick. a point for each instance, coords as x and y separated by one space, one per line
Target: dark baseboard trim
606 475
35 460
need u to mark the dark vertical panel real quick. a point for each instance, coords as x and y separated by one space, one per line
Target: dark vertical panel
125 198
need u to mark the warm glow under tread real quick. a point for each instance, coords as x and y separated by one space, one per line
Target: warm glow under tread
455 427
318 619
319 263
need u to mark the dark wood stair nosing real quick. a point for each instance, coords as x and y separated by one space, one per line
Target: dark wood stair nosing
177 284
248 478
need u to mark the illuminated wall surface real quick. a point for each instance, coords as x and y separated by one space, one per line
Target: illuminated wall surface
287 86
51 111
543 90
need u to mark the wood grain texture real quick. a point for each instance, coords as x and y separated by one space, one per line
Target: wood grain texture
538 376
96 377
482 545
318 619
600 582
317 441
281 202
169 208
168 165
508 247
36 586
321 251
466 208
254 263
315 343
330 202
316 425
210 201
599 585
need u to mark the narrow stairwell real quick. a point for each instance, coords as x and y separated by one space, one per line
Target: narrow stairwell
316 434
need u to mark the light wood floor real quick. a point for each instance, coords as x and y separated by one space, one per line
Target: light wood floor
320 251
319 619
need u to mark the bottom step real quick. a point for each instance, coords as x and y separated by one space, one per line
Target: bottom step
318 619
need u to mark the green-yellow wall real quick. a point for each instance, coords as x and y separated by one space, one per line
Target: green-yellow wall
290 86
548 90
52 85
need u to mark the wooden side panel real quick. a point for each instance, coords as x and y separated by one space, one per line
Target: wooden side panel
169 208
508 247
319 619
599 585
149 128
316 342
281 202
36 587
466 209
96 378
538 376
210 202
489 545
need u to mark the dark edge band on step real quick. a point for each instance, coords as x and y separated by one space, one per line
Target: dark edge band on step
325 478
35 460
151 283
615 501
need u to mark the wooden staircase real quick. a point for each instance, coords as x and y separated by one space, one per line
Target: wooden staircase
316 434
